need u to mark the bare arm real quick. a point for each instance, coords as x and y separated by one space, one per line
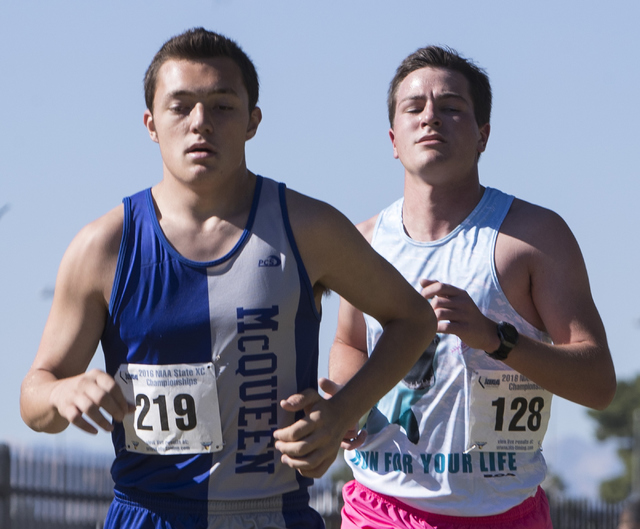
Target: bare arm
338 258
578 366
542 272
349 350
348 354
56 390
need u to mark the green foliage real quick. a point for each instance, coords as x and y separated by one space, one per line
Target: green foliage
616 422
616 490
617 419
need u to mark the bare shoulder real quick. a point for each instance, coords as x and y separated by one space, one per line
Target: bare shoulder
366 227
313 214
311 222
532 223
537 235
337 257
539 264
92 256
313 218
305 210
101 238
327 240
81 297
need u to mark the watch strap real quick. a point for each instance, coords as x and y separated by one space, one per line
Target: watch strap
508 339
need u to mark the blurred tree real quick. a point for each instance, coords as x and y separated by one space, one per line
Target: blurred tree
553 485
616 422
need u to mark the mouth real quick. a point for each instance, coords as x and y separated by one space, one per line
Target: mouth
431 139
200 149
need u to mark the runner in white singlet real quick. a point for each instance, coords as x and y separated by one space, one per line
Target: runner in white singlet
458 442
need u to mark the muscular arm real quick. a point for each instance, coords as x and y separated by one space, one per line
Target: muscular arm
578 366
338 258
56 390
542 273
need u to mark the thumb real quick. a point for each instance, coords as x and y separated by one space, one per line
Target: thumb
329 386
301 401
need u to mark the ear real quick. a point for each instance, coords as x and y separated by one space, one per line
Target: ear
254 120
150 125
392 136
485 130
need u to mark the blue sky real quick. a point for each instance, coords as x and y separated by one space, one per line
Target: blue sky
565 133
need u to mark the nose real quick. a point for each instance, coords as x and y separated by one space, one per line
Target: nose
429 116
200 120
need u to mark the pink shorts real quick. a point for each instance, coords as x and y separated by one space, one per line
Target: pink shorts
366 509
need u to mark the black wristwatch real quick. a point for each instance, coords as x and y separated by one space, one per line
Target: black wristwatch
508 339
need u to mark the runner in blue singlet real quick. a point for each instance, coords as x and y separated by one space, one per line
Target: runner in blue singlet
205 292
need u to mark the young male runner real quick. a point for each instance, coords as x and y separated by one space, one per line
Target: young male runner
457 443
205 293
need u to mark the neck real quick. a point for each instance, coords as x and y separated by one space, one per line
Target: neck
430 212
203 223
210 198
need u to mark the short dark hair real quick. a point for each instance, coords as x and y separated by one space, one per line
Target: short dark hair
444 57
198 44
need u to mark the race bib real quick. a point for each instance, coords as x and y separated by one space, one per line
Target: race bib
177 410
508 412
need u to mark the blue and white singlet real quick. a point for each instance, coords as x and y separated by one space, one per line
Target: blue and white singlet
420 447
250 316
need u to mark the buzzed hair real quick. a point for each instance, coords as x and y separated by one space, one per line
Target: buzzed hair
198 44
448 58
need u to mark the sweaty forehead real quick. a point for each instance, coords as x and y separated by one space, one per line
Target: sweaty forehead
433 82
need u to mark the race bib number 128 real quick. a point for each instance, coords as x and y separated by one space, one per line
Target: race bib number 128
177 410
508 412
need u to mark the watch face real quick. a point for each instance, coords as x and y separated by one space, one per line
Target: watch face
508 333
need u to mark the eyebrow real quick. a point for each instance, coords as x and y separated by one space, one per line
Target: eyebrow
190 93
444 95
452 95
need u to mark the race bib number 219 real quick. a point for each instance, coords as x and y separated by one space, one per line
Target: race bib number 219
177 410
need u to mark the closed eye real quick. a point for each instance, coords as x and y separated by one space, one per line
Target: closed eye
180 109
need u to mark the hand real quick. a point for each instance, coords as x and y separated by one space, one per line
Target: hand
354 437
458 314
85 395
311 444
